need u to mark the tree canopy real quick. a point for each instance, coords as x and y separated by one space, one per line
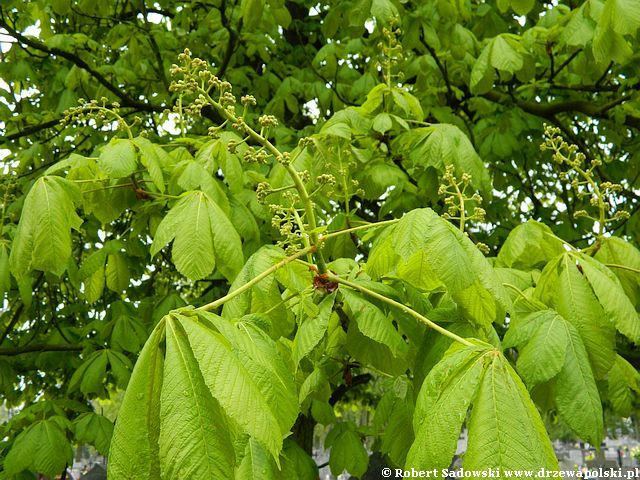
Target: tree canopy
252 215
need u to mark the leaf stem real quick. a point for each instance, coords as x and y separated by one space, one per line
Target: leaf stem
622 267
323 238
400 306
256 279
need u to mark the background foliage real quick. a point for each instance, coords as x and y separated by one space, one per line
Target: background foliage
119 211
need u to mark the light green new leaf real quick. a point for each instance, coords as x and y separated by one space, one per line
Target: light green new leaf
616 251
234 384
43 238
562 287
577 395
450 258
152 157
615 303
374 324
528 246
256 463
543 356
441 407
262 296
118 158
260 355
505 428
95 430
134 450
312 330
194 437
202 234
623 380
43 448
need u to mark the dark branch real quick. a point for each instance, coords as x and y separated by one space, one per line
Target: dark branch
13 351
125 99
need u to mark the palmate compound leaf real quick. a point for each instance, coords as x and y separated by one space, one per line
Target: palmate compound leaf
184 409
553 349
43 447
505 428
528 246
202 236
43 239
426 251
564 288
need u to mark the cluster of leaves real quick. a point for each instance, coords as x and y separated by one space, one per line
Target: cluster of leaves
325 247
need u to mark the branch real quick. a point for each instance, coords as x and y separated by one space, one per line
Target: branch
13 351
126 100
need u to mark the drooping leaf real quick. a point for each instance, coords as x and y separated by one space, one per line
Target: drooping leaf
95 430
194 438
505 428
347 451
202 236
234 385
42 448
134 450
623 384
43 237
577 395
441 408
562 287
373 323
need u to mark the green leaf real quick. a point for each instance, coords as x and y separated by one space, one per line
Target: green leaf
43 448
562 287
577 395
194 438
615 251
528 246
441 407
623 380
543 356
134 451
201 234
259 354
383 10
441 145
90 376
312 330
118 158
256 463
347 451
235 385
262 296
615 303
374 324
152 157
117 273
5 273
505 428
43 238
449 258
95 430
